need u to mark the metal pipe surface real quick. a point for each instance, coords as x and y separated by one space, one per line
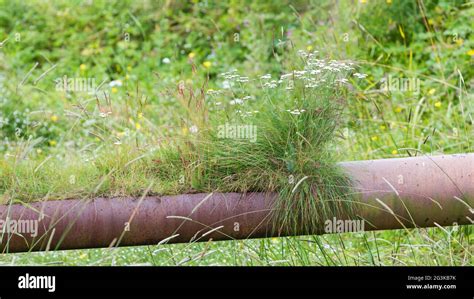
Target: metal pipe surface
390 194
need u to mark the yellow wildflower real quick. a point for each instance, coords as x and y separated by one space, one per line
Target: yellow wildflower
191 55
114 90
398 109
138 126
394 152
470 52
54 118
437 104
374 138
52 142
82 67
431 91
207 64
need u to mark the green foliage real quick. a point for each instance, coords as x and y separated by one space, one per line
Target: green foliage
165 59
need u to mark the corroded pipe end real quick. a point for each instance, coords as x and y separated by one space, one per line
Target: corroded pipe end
418 191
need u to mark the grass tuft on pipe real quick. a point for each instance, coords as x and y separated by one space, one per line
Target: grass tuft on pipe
280 138
253 134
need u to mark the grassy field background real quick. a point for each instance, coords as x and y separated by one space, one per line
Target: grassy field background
145 58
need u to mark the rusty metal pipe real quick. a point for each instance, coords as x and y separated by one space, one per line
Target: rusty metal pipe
389 194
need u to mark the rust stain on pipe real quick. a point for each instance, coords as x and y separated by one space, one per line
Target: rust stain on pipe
390 194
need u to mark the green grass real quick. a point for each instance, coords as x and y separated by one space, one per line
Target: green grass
60 145
425 247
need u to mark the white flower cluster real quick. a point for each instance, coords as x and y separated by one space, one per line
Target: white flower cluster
316 73
232 77
271 84
236 102
360 76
